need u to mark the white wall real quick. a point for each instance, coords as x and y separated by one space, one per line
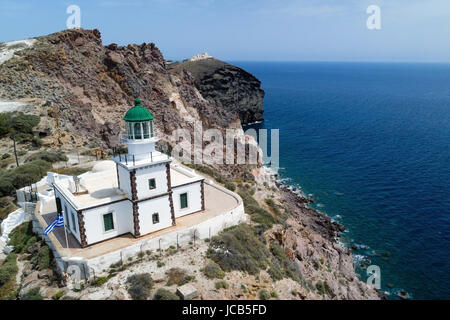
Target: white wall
68 211
123 221
157 172
194 199
159 205
124 181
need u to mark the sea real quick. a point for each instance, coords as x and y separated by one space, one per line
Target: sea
370 143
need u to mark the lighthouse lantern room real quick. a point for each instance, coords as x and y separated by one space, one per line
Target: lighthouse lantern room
139 136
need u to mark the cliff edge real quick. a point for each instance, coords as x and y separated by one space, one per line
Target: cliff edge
229 87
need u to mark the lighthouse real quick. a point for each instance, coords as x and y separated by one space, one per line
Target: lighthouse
139 192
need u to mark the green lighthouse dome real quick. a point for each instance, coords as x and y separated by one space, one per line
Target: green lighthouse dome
138 113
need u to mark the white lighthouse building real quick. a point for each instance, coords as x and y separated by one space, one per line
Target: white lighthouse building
137 193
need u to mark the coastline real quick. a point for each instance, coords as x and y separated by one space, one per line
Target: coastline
305 217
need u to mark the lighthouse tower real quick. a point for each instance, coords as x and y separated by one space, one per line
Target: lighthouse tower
143 173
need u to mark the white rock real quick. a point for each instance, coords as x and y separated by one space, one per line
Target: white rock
8 49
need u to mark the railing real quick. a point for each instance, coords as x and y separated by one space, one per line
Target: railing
132 159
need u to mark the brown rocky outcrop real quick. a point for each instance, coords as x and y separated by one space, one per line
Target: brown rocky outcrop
229 87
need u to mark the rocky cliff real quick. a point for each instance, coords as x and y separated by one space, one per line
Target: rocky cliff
229 87
86 87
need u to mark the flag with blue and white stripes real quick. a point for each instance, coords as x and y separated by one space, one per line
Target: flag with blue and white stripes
59 222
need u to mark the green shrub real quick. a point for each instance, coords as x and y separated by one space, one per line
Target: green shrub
101 280
8 269
273 294
33 294
275 272
264 295
24 122
239 248
49 156
160 264
8 291
36 142
22 176
222 285
163 294
31 241
281 266
257 214
5 123
58 295
178 276
44 257
269 202
230 186
19 126
140 286
322 287
72 171
20 236
6 206
212 271
5 156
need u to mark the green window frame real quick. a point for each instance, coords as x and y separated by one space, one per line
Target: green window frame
183 200
152 183
108 221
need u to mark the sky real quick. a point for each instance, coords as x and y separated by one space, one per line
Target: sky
250 30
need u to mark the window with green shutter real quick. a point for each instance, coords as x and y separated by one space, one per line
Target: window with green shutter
152 183
108 221
183 200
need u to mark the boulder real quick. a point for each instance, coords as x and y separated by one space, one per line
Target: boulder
187 292
45 274
33 277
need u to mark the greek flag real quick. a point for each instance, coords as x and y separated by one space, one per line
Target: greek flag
59 222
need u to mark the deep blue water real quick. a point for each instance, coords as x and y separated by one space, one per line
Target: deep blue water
371 143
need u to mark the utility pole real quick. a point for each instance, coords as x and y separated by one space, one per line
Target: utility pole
15 151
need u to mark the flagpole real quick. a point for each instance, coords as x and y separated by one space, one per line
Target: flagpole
65 233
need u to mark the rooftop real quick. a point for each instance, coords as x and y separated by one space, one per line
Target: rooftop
138 113
100 185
